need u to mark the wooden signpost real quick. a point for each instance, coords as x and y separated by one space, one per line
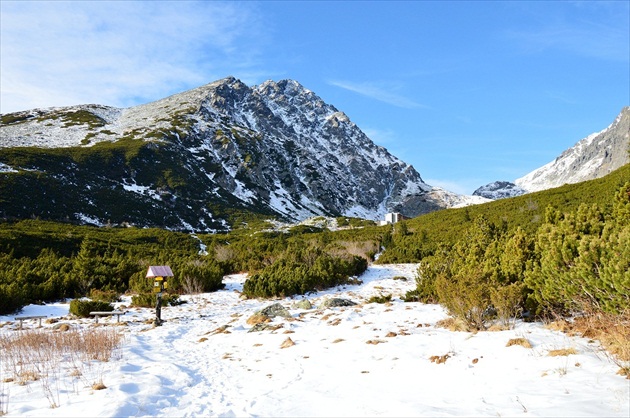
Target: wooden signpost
159 275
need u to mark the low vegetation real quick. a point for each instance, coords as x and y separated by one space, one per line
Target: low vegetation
42 356
82 308
549 254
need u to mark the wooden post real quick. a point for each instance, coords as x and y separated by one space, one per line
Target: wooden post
159 274
158 310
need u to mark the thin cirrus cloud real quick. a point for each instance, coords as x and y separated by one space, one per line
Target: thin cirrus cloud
379 93
588 39
64 53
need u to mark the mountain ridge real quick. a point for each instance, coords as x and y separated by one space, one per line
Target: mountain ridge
594 156
275 149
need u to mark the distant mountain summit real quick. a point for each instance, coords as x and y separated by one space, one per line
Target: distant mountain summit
499 190
194 159
592 157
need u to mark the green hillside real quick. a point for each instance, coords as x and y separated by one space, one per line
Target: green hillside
527 212
540 252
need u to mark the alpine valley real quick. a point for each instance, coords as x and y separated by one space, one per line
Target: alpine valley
204 160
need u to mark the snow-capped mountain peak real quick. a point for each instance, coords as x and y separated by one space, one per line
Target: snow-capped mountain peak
276 148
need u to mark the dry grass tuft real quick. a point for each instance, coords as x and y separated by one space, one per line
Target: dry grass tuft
523 342
440 359
452 324
287 343
41 355
202 339
98 386
338 340
612 331
258 318
62 327
391 334
375 342
562 352
223 329
624 371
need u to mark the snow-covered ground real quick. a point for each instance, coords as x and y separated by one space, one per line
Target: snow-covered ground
364 360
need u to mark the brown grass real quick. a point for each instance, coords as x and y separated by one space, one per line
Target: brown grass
287 343
258 318
612 331
99 386
439 359
452 324
41 355
562 352
523 342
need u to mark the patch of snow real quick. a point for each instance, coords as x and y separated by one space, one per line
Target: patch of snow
142 190
7 169
88 219
453 200
368 360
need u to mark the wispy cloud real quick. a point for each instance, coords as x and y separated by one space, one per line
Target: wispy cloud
120 53
377 92
605 37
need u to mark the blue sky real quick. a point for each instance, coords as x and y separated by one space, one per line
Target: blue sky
467 92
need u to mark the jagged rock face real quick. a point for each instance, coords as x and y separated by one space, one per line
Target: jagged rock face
499 190
593 157
304 157
183 161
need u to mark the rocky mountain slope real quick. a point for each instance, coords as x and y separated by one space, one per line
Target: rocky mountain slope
499 190
201 158
592 157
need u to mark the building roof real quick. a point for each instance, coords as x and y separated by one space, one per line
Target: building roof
159 271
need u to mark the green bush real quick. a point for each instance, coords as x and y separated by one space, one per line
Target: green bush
583 260
82 307
380 299
302 270
104 295
466 296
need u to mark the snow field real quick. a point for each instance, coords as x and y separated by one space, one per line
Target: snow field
365 360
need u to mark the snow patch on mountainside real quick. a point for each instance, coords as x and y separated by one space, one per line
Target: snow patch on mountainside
499 190
454 200
592 157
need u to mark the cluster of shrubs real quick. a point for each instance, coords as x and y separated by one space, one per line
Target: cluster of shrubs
303 270
44 261
575 260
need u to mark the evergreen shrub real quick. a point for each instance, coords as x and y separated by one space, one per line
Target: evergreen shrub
104 295
82 307
302 270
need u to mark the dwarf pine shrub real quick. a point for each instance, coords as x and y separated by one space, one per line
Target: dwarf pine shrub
82 308
303 270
